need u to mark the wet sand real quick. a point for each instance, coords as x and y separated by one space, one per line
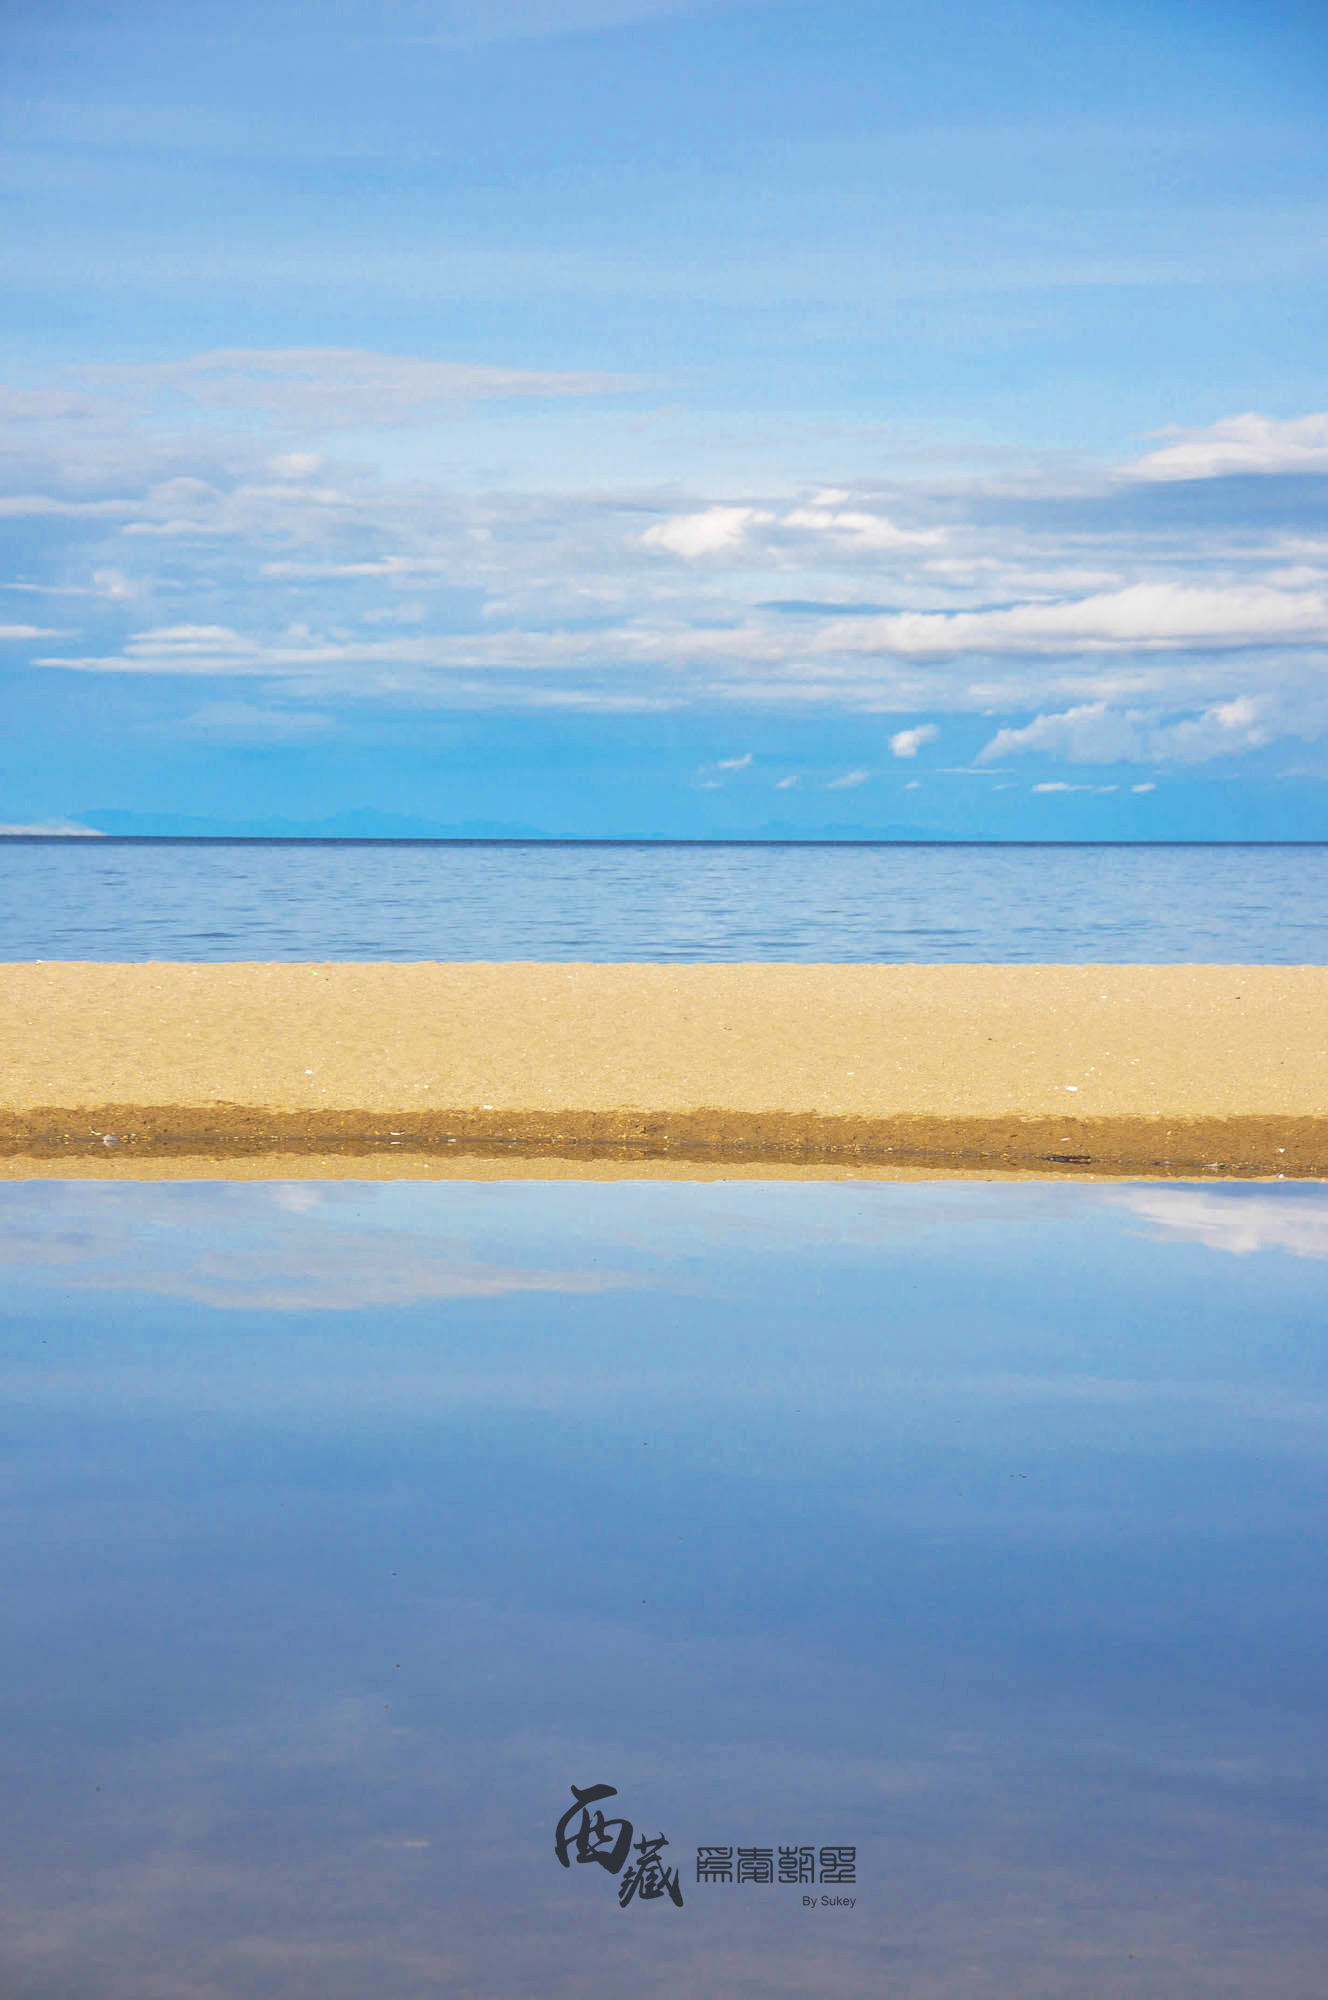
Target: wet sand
189 1069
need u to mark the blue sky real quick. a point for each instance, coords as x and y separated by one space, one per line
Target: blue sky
621 417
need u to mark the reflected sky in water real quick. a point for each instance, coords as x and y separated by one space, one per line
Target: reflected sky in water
348 1525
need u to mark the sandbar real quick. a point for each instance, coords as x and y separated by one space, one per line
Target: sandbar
1168 1070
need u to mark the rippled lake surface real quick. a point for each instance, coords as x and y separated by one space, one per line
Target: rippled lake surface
615 901
965 1540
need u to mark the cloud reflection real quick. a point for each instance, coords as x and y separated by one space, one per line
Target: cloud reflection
284 1248
1238 1223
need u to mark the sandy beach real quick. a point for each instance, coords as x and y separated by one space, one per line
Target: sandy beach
1115 1069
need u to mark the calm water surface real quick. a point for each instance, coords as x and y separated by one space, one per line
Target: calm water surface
202 900
977 1528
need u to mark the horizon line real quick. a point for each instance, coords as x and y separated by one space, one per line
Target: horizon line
94 838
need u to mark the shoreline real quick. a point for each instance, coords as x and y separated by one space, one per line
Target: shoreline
124 1135
1054 1071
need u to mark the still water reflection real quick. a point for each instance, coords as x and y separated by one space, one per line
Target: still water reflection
976 1528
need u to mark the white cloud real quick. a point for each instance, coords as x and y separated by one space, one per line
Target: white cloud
297 464
862 530
1059 785
1150 787
907 742
188 649
1088 734
653 658
114 584
1121 641
785 784
714 531
16 632
242 723
1244 444
1227 727
19 506
708 782
1095 734
1140 618
44 406
388 567
848 782
1238 1226
654 661
398 614
337 388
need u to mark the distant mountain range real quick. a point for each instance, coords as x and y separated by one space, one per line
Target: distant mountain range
370 825
360 825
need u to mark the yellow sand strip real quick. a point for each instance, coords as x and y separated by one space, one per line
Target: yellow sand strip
1113 1068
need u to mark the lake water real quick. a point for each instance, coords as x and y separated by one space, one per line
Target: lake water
956 1546
962 1541
209 899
